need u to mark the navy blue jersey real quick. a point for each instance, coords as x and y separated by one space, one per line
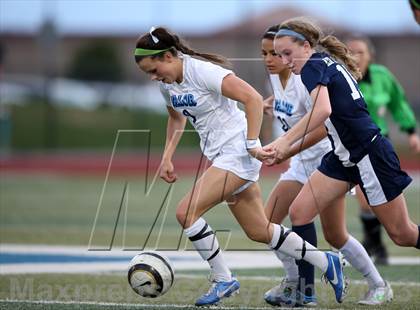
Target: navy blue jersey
350 127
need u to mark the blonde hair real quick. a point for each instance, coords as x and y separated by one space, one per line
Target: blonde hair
314 35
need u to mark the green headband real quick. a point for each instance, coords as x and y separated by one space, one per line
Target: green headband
146 52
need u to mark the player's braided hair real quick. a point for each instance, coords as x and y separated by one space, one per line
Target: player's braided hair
313 34
172 41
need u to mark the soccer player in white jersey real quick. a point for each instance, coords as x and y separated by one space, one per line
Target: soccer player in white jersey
207 94
289 103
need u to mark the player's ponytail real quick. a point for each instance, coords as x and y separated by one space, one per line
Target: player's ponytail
181 46
339 51
313 34
161 40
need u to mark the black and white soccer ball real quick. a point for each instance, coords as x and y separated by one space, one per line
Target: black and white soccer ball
150 274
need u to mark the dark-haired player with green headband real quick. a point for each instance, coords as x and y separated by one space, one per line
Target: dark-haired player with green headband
383 94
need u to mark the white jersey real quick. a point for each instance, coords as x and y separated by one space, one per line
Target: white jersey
289 106
216 118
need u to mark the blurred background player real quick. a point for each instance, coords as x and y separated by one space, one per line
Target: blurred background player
207 94
288 104
382 93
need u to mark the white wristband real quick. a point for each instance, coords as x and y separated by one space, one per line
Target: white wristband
252 144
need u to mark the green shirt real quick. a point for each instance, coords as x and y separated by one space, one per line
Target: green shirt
383 93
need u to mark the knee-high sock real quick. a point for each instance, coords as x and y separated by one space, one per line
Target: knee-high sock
288 242
357 256
306 271
205 242
289 264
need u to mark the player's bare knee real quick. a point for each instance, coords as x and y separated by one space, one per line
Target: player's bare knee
297 216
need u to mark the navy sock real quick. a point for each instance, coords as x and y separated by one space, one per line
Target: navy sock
306 270
418 239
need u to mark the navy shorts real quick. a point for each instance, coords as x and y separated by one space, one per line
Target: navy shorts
378 173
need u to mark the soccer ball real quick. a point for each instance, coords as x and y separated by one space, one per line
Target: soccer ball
150 274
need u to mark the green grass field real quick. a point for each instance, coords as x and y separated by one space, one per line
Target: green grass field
47 209
60 210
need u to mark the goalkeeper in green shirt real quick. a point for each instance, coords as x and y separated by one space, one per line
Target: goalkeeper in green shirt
383 94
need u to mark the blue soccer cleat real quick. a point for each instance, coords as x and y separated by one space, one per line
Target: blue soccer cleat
217 291
335 275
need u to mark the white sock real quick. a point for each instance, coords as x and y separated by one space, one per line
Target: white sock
205 242
289 264
357 256
288 242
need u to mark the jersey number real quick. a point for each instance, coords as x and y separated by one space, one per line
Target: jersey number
188 114
285 126
355 93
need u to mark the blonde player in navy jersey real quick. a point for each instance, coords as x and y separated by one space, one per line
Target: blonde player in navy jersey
207 94
360 154
289 103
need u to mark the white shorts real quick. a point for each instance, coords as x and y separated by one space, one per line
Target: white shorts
300 170
234 157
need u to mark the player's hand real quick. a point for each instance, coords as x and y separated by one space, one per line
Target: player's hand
269 161
260 154
414 142
167 171
280 148
268 106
